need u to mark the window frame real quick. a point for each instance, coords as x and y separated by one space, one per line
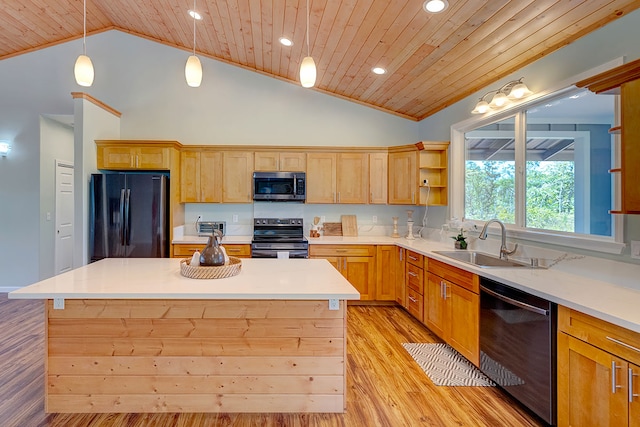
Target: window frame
612 245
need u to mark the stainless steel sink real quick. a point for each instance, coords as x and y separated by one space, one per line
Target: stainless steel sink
481 259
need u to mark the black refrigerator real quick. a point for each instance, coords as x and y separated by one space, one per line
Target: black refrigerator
128 216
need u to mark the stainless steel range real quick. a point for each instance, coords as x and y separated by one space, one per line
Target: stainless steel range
273 235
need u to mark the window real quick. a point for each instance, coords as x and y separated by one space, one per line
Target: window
543 170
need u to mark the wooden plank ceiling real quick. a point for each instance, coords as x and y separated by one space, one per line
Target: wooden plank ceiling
432 60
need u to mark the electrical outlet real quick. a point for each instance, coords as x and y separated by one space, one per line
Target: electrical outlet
235 217
375 219
48 216
58 303
323 219
334 304
635 249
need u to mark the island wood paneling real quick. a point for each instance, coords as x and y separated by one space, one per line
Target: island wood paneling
195 356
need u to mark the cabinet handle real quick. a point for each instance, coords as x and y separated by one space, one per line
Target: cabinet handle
341 250
334 197
411 273
338 197
412 258
401 253
413 198
137 161
614 384
345 263
631 393
624 344
412 299
371 197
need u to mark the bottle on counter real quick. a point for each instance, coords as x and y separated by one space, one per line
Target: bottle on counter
195 259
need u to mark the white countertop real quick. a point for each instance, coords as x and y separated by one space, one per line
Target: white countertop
160 278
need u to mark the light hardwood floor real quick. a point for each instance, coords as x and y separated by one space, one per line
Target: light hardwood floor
385 386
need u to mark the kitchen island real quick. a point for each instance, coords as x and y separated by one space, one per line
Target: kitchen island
133 335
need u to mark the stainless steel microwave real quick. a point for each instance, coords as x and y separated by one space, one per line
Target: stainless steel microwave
279 186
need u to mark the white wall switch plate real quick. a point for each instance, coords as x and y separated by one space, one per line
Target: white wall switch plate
375 219
334 304
635 249
58 303
235 218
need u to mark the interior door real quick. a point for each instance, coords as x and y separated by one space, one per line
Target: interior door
64 217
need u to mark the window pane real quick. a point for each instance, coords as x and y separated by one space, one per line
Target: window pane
490 172
569 154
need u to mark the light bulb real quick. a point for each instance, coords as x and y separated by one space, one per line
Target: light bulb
499 100
435 6
83 71
193 71
308 72
519 91
481 107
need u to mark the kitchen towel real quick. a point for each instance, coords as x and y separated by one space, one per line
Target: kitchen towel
445 366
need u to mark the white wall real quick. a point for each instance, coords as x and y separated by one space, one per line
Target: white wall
56 143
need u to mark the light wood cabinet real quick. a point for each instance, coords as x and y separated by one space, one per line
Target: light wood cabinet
321 177
415 290
185 250
378 175
433 173
598 372
237 169
127 157
356 263
403 177
452 308
276 161
385 273
401 261
201 177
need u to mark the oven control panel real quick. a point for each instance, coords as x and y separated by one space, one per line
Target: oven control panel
278 221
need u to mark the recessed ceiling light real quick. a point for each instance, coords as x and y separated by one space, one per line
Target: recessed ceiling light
435 6
379 70
195 15
285 41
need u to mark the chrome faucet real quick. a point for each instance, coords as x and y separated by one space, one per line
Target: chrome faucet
504 251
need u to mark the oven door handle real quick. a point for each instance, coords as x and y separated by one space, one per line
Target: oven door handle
520 304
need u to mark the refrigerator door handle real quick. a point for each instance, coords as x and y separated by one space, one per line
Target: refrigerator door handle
122 222
128 217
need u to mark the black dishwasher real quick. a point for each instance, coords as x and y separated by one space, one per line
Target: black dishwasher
518 345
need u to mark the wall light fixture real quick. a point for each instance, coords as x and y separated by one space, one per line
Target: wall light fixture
502 97
5 148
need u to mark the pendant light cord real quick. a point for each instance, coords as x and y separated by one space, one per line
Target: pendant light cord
308 54
84 30
194 27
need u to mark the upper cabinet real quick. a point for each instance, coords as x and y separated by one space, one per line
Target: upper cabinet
337 178
201 177
378 171
624 80
123 155
273 161
237 172
321 177
403 176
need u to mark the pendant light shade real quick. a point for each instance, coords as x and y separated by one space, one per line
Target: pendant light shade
308 72
518 91
308 65
193 68
193 71
83 71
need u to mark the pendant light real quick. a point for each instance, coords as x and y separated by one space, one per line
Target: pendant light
83 70
193 68
308 66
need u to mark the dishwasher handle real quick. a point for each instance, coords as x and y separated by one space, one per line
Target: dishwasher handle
517 303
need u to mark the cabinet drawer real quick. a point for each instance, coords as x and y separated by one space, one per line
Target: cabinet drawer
415 278
240 251
414 258
614 339
415 304
341 250
186 250
456 275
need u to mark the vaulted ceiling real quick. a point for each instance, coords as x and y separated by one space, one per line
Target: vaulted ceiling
432 60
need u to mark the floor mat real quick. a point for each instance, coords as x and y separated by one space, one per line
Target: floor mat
446 367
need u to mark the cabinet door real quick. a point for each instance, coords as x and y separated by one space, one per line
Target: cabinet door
401 296
293 162
321 178
385 273
266 161
360 272
378 175
156 158
352 179
189 177
115 158
585 397
463 326
434 312
634 397
211 177
403 178
237 169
